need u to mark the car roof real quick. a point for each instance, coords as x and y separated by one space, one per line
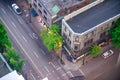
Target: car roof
15 5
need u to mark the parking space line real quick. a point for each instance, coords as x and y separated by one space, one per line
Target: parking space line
35 54
81 72
46 68
24 38
53 65
58 68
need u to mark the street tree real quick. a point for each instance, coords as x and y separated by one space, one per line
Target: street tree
4 40
14 60
95 50
51 37
115 34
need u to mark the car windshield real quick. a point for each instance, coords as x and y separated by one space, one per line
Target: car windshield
18 10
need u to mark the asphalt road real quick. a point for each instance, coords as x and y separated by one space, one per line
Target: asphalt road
30 46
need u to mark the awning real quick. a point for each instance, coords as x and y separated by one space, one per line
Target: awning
33 12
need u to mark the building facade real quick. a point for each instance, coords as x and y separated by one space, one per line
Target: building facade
85 29
51 11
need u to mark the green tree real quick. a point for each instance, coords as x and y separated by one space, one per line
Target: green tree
4 40
95 50
115 34
14 59
51 37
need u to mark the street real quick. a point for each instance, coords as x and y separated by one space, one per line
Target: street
26 41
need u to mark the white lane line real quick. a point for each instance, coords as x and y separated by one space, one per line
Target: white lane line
3 10
64 74
35 36
46 68
20 21
35 54
13 24
70 73
42 52
31 35
81 72
58 78
53 65
24 39
32 75
10 8
52 71
58 68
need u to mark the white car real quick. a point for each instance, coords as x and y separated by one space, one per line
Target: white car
16 8
107 54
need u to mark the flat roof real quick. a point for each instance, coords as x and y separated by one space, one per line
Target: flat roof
3 68
94 16
60 4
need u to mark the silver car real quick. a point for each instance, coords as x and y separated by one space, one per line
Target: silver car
16 8
107 54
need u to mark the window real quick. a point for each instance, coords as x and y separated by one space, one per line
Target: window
86 36
88 42
77 38
35 5
102 34
76 47
40 11
65 28
69 34
107 26
101 29
92 33
45 12
35 0
39 5
45 18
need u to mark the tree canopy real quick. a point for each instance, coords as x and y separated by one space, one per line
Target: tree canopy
95 50
51 37
115 34
14 59
4 40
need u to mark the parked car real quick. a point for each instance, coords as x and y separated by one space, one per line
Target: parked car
107 54
16 8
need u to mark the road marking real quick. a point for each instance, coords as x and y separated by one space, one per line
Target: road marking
53 65
30 35
35 36
9 7
24 39
43 52
46 68
58 78
3 10
37 69
118 61
70 73
32 75
52 71
13 24
35 54
64 74
20 21
81 72
58 68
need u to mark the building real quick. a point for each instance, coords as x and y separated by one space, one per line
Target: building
6 73
82 30
12 76
51 11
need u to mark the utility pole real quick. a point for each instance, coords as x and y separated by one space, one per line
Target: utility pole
83 59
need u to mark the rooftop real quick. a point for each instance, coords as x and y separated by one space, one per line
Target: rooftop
94 16
53 6
3 68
